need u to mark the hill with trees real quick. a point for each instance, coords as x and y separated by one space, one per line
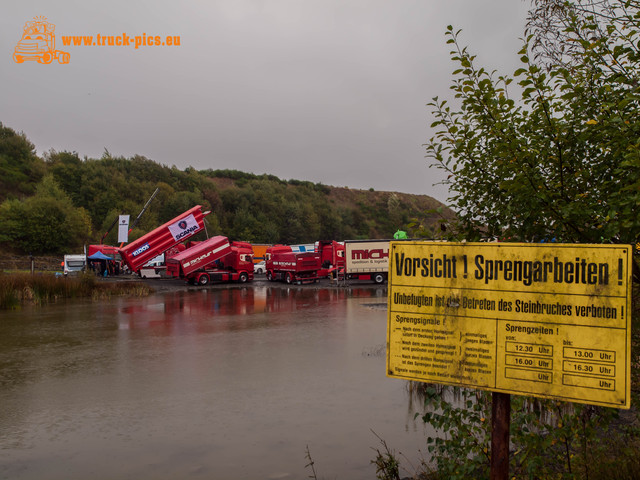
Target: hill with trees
60 202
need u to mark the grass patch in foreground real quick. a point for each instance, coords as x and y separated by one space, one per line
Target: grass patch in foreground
26 289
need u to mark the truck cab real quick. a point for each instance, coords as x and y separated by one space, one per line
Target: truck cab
331 258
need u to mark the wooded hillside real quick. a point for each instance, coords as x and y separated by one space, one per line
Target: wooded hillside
58 203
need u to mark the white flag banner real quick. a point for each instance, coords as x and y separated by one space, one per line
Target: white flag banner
184 228
123 229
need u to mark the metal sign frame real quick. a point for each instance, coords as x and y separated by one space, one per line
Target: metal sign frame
547 320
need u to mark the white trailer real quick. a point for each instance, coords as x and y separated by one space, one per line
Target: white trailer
74 264
366 260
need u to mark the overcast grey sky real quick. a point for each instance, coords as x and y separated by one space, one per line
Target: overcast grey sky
330 91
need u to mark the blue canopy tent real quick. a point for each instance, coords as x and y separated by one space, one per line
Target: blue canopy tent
99 256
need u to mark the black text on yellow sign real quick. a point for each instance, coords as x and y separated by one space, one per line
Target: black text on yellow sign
549 320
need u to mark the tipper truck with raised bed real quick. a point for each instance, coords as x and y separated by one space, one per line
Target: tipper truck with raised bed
213 260
139 252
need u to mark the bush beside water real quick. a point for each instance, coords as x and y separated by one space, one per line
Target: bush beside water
25 289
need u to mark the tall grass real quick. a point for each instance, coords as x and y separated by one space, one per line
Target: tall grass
23 289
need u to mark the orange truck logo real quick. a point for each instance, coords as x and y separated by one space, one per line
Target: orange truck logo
38 43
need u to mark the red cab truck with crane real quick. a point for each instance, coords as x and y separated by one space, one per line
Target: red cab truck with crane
213 260
292 267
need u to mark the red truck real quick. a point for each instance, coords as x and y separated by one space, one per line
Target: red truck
139 252
215 259
292 267
331 258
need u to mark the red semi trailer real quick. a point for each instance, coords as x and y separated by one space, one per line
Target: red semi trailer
292 267
214 260
140 251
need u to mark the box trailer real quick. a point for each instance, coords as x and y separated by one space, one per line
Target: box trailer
366 260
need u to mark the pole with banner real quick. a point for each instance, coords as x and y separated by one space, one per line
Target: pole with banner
123 229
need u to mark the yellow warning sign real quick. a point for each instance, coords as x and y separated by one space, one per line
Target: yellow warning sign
548 320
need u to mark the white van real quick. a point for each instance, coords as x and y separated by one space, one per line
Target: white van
74 264
153 268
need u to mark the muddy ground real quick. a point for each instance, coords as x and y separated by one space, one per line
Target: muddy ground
169 284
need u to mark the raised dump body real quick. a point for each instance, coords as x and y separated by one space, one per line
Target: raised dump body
292 267
198 256
140 251
215 259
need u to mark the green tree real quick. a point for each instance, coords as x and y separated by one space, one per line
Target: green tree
179 203
20 168
67 169
45 223
560 162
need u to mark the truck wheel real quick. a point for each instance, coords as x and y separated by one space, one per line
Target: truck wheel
46 58
63 57
288 278
17 58
203 280
243 277
378 278
270 276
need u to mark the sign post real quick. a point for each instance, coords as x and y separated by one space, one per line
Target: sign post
500 422
546 320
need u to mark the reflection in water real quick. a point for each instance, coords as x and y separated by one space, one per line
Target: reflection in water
206 383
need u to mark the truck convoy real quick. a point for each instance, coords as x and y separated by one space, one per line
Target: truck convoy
366 260
215 259
218 259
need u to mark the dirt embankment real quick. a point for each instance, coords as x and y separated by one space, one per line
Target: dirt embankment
11 263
